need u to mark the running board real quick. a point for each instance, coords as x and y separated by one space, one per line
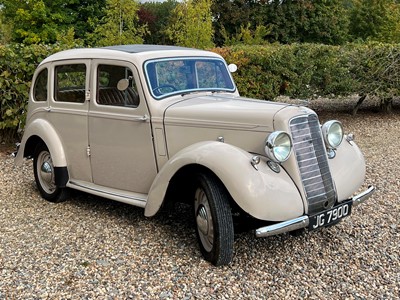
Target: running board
135 199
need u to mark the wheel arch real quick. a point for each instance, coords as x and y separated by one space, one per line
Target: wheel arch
182 184
254 191
41 131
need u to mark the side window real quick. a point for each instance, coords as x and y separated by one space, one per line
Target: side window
116 86
70 83
40 86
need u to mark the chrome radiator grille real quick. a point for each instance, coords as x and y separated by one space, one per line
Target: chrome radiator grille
311 158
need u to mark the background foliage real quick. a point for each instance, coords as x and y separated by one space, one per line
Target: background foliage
332 22
265 72
190 24
119 25
313 70
17 65
298 48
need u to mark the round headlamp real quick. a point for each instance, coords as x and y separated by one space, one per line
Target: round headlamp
278 146
333 133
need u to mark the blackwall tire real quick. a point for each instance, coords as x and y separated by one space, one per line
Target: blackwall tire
213 218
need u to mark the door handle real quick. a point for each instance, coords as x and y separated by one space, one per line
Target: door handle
48 109
143 118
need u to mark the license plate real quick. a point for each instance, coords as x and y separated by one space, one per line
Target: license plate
330 216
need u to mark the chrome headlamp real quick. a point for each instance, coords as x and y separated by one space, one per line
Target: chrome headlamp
278 146
333 133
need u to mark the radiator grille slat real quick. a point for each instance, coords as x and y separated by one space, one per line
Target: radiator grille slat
313 163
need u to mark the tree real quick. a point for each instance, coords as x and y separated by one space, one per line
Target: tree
377 20
88 14
191 24
5 30
33 23
246 36
42 21
156 16
119 25
390 31
229 16
322 21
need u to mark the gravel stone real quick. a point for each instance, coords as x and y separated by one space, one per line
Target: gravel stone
93 248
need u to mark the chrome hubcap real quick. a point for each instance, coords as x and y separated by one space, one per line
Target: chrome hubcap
46 172
204 220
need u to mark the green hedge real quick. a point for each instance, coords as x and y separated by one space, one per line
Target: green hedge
17 65
265 72
310 70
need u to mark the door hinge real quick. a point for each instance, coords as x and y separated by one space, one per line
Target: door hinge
88 151
87 95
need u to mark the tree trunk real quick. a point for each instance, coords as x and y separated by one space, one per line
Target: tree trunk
360 101
387 105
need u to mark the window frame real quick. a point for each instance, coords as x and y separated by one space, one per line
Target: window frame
56 81
35 85
118 93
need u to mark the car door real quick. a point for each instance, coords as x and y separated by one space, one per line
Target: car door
120 136
67 112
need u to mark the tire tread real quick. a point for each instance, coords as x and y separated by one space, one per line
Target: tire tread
222 252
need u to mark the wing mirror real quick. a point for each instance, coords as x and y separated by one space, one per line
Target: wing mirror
123 84
232 68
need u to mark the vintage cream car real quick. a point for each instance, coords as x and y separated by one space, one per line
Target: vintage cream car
145 125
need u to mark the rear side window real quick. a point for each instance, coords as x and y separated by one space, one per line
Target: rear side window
40 86
70 83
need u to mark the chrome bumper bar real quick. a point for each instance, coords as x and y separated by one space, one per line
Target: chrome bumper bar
303 221
360 198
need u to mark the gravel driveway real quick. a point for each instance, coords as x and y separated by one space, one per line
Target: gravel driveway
92 248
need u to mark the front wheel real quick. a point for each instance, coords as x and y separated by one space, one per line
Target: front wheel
214 220
43 169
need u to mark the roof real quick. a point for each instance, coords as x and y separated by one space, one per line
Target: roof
124 52
144 48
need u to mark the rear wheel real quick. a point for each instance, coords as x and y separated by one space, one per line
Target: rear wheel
43 169
214 220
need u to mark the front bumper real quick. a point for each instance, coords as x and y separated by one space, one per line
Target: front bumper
303 221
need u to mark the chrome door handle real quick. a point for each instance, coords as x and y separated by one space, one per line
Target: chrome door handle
48 109
143 118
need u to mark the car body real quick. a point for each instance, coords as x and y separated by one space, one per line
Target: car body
146 124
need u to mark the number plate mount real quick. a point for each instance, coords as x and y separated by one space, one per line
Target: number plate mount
330 216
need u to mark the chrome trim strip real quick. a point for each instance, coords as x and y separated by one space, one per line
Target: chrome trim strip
303 221
360 198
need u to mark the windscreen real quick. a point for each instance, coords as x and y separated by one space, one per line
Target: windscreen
168 77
